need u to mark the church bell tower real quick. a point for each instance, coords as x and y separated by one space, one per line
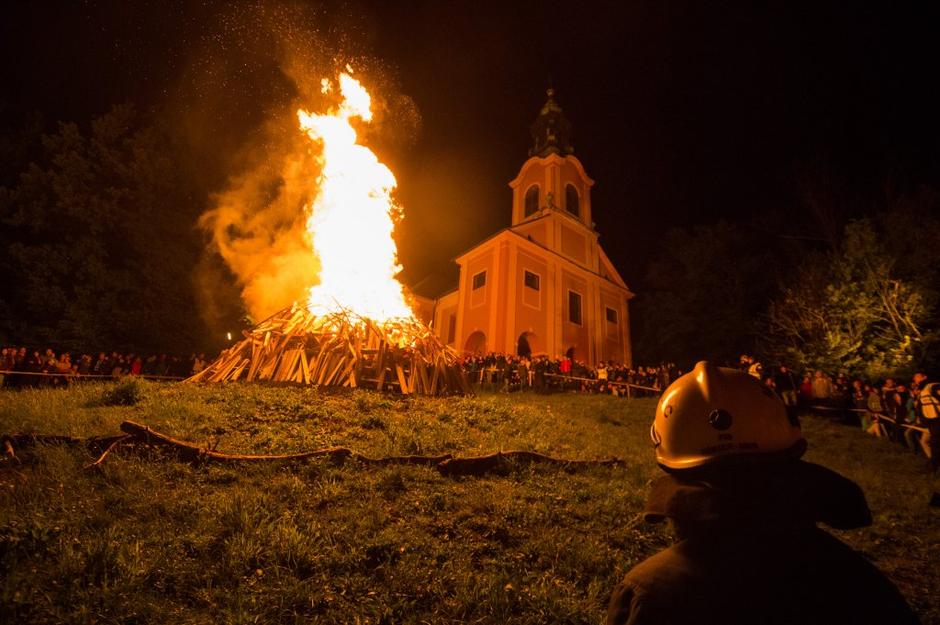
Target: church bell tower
552 179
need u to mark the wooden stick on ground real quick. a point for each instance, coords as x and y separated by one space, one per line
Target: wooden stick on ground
108 449
191 452
480 465
138 434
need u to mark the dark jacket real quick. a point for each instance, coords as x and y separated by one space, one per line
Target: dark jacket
750 553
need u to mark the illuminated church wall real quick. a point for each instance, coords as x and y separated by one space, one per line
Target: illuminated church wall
545 278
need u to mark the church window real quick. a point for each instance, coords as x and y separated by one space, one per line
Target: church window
532 200
574 307
479 280
531 280
572 200
451 329
611 316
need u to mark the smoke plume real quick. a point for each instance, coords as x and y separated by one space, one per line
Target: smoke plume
260 64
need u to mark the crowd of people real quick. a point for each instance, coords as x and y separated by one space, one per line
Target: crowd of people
887 408
507 372
21 367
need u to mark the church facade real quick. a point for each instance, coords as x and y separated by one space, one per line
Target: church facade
543 285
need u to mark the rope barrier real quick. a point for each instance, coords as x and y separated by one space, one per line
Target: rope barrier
877 416
90 375
609 382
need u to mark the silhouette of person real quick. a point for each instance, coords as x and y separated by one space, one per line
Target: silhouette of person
744 508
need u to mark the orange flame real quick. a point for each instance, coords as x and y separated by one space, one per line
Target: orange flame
353 215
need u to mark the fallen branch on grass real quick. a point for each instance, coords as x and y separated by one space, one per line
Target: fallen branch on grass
95 444
117 441
193 453
138 434
479 465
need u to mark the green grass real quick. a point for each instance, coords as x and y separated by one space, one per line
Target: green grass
144 539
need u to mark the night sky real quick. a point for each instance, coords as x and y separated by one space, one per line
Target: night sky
683 113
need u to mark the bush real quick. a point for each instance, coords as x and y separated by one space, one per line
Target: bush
127 392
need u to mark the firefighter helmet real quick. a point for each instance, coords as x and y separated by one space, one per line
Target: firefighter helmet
714 414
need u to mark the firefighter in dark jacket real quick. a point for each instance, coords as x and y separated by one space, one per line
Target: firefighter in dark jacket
744 509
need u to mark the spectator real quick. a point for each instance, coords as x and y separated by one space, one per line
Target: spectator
888 389
7 362
748 549
913 437
859 396
786 387
928 409
877 408
822 387
806 390
100 366
64 367
897 411
755 369
602 372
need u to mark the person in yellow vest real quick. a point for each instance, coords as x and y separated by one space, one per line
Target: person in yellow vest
927 405
744 508
602 372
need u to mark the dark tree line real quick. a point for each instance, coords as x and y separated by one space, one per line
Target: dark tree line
861 298
98 238
100 250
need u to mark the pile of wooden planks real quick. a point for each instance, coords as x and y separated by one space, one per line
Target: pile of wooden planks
342 349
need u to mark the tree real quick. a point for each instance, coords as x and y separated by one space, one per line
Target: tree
707 287
100 242
847 310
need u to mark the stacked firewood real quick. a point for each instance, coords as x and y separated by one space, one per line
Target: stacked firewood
341 348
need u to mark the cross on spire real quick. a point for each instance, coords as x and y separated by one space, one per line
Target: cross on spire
551 131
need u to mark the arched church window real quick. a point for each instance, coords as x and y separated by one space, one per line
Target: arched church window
572 200
532 200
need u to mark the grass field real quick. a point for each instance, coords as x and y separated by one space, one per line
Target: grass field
146 539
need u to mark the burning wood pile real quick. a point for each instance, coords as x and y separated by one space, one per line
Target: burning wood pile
356 328
342 349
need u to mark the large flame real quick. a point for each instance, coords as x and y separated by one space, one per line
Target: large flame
353 215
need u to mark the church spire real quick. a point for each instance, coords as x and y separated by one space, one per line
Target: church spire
551 131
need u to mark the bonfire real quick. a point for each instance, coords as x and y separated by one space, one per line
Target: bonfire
356 328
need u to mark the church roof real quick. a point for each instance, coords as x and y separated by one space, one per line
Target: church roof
440 282
551 130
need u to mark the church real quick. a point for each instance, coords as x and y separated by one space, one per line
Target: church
543 285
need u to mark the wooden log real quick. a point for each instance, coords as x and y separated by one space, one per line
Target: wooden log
414 382
191 452
306 367
108 450
340 361
380 368
425 378
95 444
431 461
435 377
342 349
402 382
498 461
